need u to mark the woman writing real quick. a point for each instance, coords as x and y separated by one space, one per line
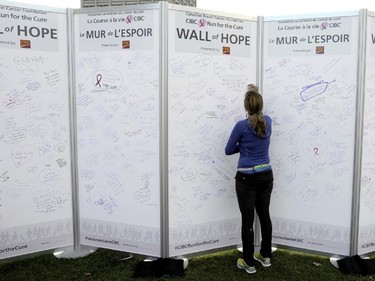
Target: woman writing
254 178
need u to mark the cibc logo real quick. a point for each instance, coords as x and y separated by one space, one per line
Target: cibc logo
325 25
199 22
191 21
131 18
335 24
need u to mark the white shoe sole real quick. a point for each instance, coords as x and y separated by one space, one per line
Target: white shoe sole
250 272
263 264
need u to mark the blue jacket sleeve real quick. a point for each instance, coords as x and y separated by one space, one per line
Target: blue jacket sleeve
233 145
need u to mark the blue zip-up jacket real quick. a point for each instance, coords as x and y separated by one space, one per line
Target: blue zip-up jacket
253 150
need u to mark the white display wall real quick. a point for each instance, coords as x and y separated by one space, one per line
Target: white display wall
117 67
35 161
211 60
310 90
151 94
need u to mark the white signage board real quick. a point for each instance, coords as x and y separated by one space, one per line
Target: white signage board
211 60
35 158
117 68
310 82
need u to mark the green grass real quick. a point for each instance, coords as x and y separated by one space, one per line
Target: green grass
106 265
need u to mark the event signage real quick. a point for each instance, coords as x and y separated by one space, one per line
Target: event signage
211 60
117 99
311 71
310 36
213 34
127 30
35 154
28 28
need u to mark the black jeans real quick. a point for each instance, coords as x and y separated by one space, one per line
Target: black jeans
254 191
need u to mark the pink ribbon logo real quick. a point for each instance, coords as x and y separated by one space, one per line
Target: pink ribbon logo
324 25
202 23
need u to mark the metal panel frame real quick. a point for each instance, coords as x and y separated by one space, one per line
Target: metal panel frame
362 30
164 233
